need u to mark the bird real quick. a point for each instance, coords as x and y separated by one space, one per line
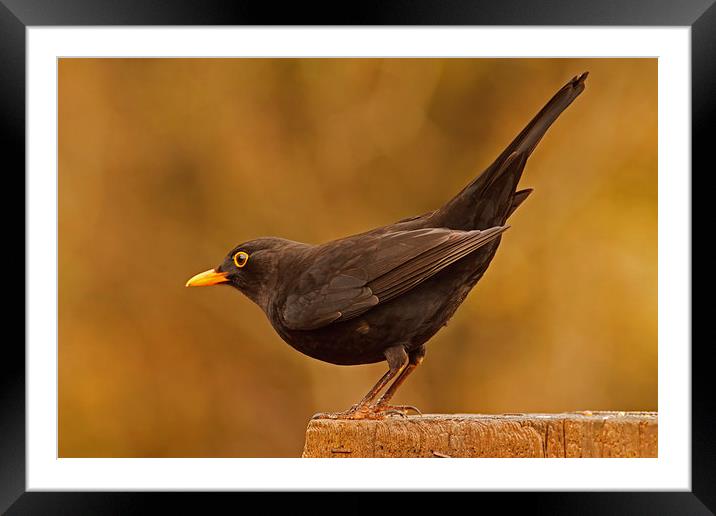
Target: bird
383 294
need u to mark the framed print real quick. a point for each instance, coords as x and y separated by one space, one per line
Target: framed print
353 184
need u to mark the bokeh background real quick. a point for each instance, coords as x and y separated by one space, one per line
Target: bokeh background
165 164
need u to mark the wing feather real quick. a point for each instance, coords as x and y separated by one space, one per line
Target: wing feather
414 272
350 276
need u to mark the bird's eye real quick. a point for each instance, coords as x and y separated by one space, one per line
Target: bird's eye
240 259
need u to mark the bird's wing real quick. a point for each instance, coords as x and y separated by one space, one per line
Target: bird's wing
372 269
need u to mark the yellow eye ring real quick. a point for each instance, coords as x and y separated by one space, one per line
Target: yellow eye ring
240 259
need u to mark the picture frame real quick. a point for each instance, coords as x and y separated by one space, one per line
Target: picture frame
17 15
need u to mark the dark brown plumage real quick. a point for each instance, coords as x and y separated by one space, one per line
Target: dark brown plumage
381 295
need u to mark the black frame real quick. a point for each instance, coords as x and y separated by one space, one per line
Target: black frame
16 15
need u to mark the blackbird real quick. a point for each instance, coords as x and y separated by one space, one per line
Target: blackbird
382 294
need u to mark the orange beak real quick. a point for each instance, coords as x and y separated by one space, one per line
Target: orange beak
206 278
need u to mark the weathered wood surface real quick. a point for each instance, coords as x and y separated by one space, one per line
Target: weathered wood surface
574 434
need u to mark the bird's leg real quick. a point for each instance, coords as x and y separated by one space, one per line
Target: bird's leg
397 361
415 358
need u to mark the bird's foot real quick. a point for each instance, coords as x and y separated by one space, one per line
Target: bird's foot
369 412
355 412
400 410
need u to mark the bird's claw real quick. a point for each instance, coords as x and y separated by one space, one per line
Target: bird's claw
369 412
401 410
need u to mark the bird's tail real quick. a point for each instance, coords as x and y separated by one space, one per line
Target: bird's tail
492 197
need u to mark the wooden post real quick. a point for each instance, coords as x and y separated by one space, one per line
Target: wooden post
574 434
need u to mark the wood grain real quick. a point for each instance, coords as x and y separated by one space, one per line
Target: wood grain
573 434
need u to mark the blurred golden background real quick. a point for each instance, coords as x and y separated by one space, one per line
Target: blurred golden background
165 164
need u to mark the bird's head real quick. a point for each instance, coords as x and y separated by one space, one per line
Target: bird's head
250 267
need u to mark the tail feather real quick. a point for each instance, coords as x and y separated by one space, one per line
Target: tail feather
491 197
518 199
531 135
